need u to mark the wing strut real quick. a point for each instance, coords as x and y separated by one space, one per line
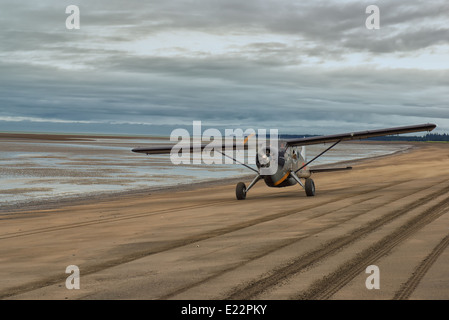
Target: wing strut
245 165
305 165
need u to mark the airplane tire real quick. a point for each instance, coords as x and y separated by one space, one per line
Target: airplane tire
310 187
240 191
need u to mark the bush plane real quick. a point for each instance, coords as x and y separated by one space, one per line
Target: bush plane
291 162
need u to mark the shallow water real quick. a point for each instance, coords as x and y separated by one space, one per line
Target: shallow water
31 171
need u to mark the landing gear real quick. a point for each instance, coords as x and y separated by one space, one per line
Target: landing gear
309 187
240 191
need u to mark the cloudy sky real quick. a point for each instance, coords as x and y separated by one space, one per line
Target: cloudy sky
151 66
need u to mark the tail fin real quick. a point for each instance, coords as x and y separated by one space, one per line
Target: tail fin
303 153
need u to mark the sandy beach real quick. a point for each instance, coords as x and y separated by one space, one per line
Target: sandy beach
199 242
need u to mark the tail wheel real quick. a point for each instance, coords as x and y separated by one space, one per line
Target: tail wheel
310 187
240 191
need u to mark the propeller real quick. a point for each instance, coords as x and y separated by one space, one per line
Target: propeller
266 159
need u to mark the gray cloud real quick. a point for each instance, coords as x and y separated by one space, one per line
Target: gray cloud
291 67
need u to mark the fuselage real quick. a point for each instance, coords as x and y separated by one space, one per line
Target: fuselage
289 159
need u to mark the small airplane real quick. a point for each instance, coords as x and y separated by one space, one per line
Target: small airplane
292 165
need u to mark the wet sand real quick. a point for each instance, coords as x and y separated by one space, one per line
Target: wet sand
202 243
64 137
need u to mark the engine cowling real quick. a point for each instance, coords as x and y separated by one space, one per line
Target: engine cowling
267 159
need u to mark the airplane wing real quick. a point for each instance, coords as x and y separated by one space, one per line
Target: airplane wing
359 135
164 149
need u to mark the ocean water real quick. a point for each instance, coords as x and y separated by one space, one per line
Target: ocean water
44 170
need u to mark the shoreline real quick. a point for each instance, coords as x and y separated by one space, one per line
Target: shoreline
71 136
59 201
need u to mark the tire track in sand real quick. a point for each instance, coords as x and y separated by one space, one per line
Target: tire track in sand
288 242
341 277
105 220
326 287
169 246
162 211
408 287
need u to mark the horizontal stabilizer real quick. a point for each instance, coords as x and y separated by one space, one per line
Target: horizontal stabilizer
329 169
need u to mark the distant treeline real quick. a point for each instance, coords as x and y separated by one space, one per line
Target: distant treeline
427 137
